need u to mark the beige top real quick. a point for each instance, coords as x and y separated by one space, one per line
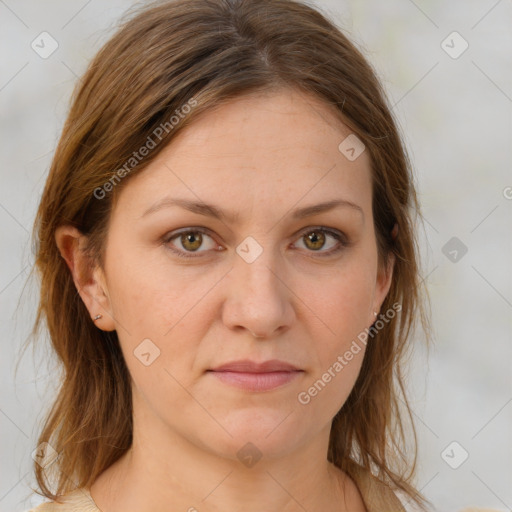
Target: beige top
377 497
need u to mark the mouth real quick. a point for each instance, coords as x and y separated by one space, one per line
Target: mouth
253 376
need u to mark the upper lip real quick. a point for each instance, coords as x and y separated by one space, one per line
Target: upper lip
248 366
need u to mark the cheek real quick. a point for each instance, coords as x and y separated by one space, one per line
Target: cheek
170 307
150 294
340 310
338 306
324 395
339 302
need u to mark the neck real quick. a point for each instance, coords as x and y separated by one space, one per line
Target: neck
165 469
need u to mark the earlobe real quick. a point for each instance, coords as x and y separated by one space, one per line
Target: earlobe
87 275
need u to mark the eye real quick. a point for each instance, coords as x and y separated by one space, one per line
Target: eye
190 241
315 239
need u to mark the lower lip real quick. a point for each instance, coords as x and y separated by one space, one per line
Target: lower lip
256 381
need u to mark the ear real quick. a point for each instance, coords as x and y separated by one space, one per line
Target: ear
383 284
87 275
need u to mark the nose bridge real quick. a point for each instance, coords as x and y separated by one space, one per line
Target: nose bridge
258 266
258 299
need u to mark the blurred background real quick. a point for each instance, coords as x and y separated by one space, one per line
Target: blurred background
446 67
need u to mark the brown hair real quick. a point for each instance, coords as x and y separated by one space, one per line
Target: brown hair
206 52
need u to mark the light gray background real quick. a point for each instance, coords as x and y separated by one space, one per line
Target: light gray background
456 117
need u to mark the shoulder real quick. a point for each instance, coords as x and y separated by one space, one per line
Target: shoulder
79 500
377 496
475 509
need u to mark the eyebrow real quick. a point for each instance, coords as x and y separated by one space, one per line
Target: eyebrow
211 210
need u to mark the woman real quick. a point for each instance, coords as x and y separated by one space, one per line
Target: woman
232 202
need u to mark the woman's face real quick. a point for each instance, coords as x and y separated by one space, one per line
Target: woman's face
259 275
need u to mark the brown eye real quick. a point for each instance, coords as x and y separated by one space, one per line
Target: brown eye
192 240
317 239
314 239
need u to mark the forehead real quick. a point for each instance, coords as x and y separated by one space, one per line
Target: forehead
280 119
278 147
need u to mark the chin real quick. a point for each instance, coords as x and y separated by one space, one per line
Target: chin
256 433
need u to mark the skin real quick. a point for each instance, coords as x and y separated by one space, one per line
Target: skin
260 156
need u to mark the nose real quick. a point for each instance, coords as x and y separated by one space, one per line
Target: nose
258 298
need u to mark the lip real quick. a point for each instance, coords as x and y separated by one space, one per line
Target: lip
249 366
252 376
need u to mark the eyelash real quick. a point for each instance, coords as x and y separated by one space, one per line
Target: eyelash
340 237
